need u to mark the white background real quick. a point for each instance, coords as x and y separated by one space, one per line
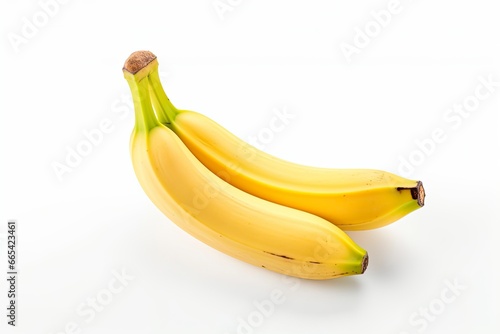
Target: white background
369 110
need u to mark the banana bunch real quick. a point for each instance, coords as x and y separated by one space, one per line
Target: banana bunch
248 204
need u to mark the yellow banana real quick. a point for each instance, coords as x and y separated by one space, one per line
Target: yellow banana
251 229
352 199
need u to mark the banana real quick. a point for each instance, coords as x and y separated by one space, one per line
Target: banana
262 233
352 199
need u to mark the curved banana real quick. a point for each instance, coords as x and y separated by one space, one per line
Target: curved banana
352 199
230 220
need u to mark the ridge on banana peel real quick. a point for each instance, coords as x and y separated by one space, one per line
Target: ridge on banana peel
262 233
352 199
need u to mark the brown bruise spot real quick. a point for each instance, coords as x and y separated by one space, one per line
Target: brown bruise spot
279 255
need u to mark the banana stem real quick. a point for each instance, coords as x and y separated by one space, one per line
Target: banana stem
165 110
144 65
141 72
145 118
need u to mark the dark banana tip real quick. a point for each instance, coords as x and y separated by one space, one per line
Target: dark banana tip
364 265
138 60
419 193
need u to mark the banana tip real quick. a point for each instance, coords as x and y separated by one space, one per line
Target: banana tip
417 193
420 193
138 60
364 263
